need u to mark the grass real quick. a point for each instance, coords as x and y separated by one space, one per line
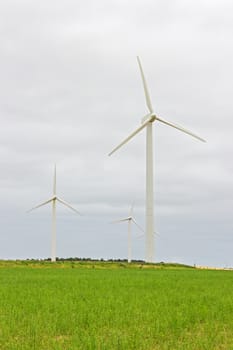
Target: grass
104 306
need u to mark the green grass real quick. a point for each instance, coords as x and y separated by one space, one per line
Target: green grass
104 306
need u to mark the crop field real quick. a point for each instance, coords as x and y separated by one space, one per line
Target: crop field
112 306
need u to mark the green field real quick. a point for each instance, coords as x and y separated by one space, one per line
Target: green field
69 306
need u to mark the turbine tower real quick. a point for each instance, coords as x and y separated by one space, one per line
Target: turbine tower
54 200
130 220
147 122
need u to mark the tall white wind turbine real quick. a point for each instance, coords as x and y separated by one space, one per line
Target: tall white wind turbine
54 200
130 219
147 122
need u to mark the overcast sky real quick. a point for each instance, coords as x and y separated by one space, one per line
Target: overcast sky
71 90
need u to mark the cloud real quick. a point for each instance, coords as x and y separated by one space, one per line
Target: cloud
71 91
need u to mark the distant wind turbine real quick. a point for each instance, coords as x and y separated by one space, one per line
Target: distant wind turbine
53 200
130 220
147 122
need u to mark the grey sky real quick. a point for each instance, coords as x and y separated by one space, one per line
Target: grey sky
71 91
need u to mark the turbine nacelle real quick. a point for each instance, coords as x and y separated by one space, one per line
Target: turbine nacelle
149 118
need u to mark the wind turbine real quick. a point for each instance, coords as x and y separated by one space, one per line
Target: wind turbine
147 122
130 220
53 200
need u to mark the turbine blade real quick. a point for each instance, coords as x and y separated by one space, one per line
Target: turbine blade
140 228
42 204
129 137
120 220
68 205
148 101
55 180
180 128
155 234
131 210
